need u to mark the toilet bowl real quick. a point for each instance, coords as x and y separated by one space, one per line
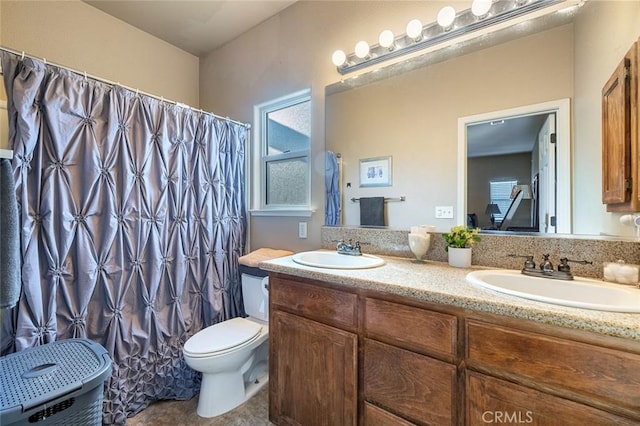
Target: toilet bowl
233 355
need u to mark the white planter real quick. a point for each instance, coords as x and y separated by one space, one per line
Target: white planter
459 257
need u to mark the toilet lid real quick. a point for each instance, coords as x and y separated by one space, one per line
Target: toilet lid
222 336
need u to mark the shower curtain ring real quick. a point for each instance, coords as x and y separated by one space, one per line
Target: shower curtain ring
22 58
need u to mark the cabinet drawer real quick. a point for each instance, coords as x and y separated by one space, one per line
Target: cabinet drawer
375 416
415 386
491 400
326 305
410 327
609 375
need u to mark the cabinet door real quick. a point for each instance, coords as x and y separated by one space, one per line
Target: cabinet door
408 384
495 401
313 371
616 136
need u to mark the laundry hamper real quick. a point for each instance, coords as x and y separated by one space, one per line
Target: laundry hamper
60 383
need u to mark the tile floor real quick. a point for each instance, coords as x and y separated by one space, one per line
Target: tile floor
254 412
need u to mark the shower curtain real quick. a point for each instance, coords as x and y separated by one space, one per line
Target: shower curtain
132 217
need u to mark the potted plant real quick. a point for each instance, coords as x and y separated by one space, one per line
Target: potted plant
459 241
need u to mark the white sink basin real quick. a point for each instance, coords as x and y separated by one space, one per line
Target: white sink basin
334 260
580 293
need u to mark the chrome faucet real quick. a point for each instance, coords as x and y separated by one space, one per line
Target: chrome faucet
349 248
546 267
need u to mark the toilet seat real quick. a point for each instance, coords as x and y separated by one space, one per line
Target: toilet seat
222 337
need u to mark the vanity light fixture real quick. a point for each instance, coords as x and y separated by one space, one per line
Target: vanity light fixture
414 30
480 8
478 19
387 39
339 58
446 16
362 49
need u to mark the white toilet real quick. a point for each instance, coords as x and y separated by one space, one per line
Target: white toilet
233 355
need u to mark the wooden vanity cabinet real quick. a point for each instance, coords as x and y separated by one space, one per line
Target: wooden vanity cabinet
313 354
620 136
356 357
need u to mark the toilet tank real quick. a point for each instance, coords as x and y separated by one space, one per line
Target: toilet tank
255 295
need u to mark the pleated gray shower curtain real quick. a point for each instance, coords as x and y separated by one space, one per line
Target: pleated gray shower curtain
132 216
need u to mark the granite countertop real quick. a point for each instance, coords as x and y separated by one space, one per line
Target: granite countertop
437 282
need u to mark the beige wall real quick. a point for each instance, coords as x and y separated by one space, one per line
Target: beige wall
3 94
76 35
292 51
620 22
287 53
414 118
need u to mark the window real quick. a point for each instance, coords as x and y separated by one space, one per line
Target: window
500 193
283 131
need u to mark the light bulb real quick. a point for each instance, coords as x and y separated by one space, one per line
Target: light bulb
414 29
480 7
362 49
446 16
386 39
338 58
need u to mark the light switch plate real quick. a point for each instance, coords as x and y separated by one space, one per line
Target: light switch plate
302 230
444 212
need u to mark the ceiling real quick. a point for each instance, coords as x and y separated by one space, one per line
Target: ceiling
507 136
197 27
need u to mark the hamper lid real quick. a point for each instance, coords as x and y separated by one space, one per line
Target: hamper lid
38 375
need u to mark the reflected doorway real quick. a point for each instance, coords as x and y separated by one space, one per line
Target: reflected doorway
516 169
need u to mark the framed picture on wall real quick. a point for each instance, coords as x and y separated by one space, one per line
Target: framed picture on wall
375 171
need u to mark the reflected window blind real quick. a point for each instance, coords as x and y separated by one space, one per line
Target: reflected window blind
500 193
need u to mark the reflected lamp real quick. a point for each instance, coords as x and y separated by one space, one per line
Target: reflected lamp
492 210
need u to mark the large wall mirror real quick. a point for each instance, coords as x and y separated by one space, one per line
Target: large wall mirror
414 116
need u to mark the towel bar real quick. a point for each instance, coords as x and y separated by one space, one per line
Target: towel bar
402 198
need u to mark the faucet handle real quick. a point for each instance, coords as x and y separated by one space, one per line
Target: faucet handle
528 263
546 264
564 264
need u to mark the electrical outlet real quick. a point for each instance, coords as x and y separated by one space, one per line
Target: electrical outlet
444 212
302 230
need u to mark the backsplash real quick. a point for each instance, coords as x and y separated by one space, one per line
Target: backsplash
494 249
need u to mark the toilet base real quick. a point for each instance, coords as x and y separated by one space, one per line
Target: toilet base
222 392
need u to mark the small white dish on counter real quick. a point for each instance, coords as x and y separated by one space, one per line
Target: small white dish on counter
580 292
335 260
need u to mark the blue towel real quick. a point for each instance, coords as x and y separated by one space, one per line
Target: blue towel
9 238
332 184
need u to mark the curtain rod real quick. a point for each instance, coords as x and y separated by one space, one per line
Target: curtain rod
111 83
